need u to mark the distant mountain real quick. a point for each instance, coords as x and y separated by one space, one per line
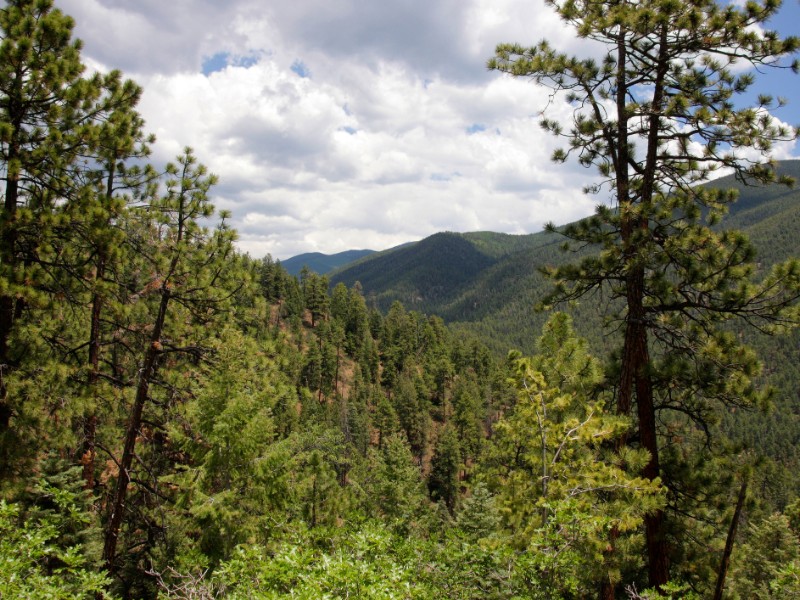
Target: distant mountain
488 283
429 271
465 278
323 264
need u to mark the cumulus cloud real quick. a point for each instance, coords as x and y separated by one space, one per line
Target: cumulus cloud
339 124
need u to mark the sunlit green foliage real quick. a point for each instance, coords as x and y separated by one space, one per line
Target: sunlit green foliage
179 420
560 486
43 552
656 116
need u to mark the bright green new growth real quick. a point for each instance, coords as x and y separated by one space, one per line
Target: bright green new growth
560 486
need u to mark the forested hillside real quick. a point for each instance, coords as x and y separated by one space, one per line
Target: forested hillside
180 420
495 298
493 282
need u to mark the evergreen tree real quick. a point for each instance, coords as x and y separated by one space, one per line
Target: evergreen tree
412 411
478 517
311 375
558 485
469 414
396 487
443 480
397 343
48 116
272 278
315 292
340 304
189 269
356 414
98 240
385 417
763 563
657 115
369 358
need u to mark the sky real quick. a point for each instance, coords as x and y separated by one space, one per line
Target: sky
356 124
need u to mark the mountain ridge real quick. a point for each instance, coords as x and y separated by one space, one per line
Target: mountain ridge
496 282
496 302
322 264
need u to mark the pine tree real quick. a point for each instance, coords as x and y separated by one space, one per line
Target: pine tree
385 417
397 488
47 123
354 413
315 292
478 517
189 269
412 411
657 116
443 480
469 413
97 238
558 485
761 563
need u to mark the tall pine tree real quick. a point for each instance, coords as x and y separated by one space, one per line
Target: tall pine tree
189 277
657 115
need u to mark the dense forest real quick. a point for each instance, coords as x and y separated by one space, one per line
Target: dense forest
494 298
181 420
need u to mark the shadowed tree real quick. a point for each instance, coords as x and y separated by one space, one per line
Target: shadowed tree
443 480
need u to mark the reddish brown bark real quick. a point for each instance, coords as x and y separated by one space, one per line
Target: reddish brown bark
117 507
726 555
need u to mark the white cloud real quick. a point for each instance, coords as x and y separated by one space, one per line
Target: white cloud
338 124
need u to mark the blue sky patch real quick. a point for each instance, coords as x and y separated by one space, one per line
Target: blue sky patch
245 61
221 60
215 63
476 128
444 176
299 67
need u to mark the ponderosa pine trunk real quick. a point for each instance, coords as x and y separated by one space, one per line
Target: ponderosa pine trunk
729 541
90 421
8 243
635 383
117 509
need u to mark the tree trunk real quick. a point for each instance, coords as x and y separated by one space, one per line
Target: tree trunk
8 243
146 373
90 421
607 590
726 555
657 549
635 379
